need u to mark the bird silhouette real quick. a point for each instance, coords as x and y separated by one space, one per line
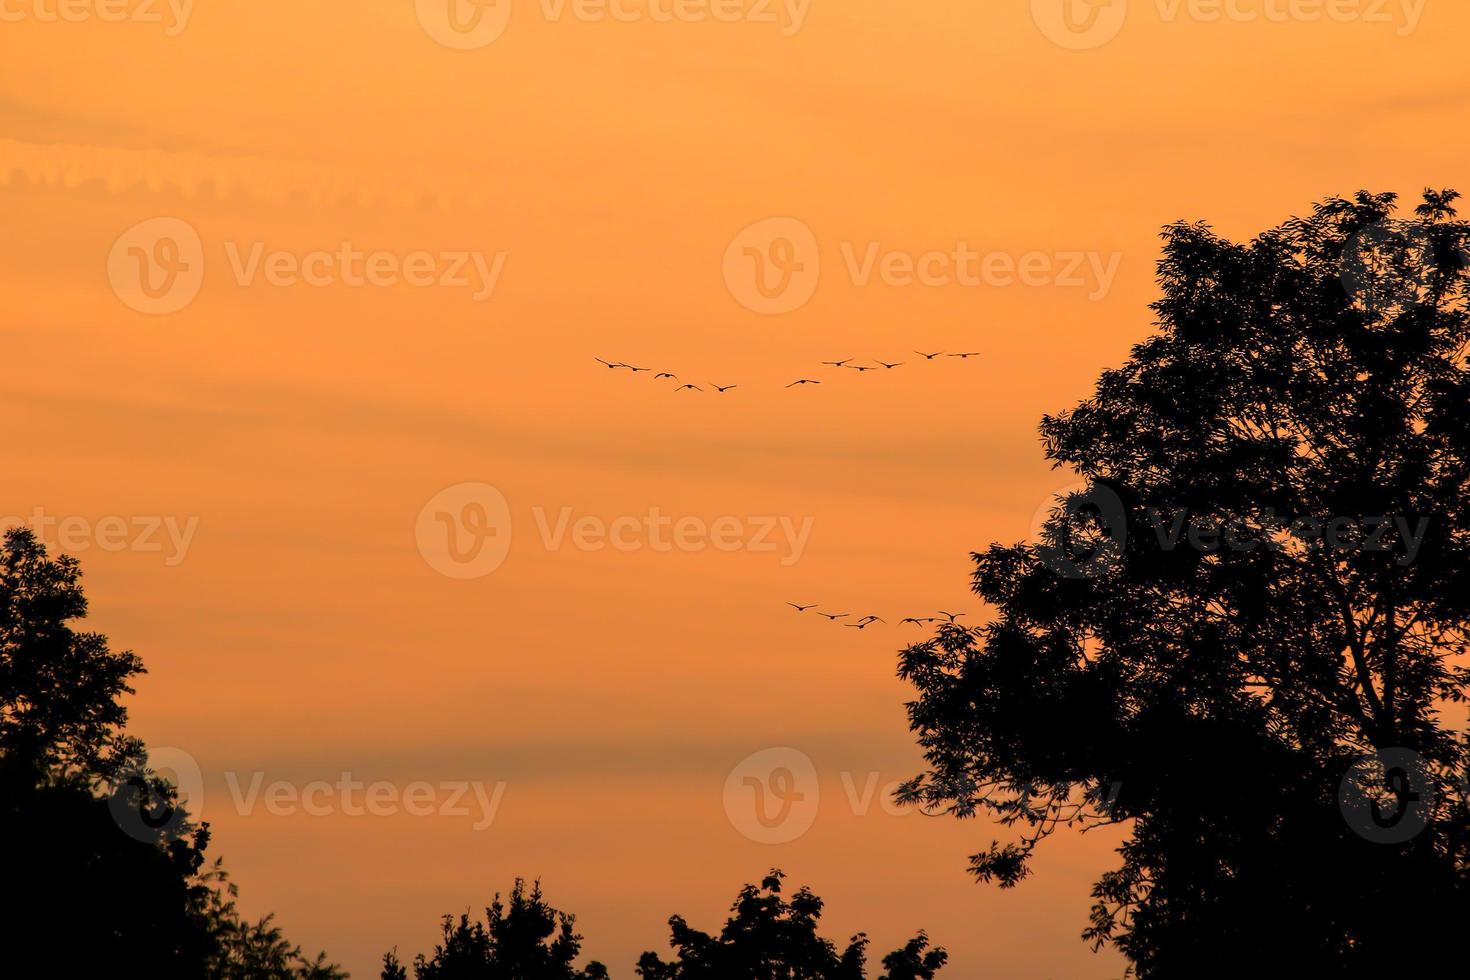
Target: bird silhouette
928 357
891 366
665 374
803 381
609 364
832 616
724 388
859 367
973 353
952 616
911 619
800 608
874 619
695 387
858 626
635 370
838 363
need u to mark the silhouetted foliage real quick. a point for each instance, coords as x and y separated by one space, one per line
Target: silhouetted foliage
1212 698
770 938
524 940
104 870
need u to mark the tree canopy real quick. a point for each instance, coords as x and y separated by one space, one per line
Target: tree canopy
768 937
526 939
106 871
1243 641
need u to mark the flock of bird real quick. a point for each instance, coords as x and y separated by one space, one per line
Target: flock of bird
951 619
846 364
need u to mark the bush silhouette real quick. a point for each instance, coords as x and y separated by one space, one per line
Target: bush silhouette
766 938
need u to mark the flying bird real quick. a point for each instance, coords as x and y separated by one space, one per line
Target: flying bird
912 619
952 616
635 370
682 387
832 616
859 367
665 374
724 388
928 357
873 619
891 366
610 364
800 608
803 381
973 353
859 626
838 363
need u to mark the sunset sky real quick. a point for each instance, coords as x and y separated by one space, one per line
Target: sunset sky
574 188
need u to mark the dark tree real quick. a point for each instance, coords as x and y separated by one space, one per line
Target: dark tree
525 940
60 712
770 938
104 872
1220 645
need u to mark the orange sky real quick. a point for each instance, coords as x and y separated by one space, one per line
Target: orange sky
300 430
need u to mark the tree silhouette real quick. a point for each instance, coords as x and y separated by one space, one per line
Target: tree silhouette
525 940
770 938
104 870
1219 644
